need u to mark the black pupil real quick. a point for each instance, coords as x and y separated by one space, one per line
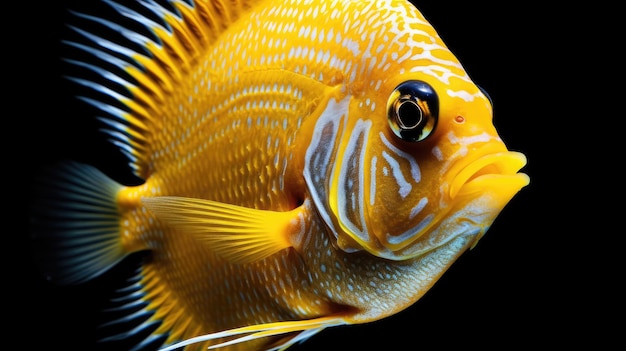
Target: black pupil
409 115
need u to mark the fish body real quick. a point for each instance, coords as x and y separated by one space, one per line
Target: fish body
305 164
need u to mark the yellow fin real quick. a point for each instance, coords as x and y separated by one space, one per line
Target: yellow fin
237 233
306 329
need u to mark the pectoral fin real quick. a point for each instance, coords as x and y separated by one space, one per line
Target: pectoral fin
237 233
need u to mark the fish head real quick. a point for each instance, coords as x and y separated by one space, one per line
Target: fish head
428 167
415 159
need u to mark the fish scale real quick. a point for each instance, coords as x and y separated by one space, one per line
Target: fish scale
306 164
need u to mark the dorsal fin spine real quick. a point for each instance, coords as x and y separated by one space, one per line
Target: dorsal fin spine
145 69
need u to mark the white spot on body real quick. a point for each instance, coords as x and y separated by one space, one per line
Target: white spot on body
437 153
463 95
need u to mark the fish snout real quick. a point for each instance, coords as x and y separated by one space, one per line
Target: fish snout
496 172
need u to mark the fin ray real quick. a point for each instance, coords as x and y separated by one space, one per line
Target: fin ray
148 63
75 223
306 327
237 233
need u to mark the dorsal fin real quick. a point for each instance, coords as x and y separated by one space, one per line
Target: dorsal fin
139 70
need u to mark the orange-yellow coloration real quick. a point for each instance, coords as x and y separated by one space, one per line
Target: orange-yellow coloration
276 195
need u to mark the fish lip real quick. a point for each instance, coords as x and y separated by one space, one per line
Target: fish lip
491 170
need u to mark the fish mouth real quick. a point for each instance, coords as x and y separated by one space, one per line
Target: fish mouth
497 171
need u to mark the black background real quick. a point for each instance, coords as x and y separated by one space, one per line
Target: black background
528 283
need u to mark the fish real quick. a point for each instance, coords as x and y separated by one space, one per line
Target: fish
303 165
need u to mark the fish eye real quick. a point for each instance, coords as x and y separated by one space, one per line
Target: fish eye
412 110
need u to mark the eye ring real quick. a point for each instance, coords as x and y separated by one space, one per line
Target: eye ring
408 106
413 109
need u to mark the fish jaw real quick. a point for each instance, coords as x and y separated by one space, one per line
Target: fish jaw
480 199
493 172
485 186
480 186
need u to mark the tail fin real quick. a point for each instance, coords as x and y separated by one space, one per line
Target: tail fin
75 221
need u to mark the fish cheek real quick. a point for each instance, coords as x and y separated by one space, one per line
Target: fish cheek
383 212
391 215
405 198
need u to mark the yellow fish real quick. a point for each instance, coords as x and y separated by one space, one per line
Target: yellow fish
305 164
